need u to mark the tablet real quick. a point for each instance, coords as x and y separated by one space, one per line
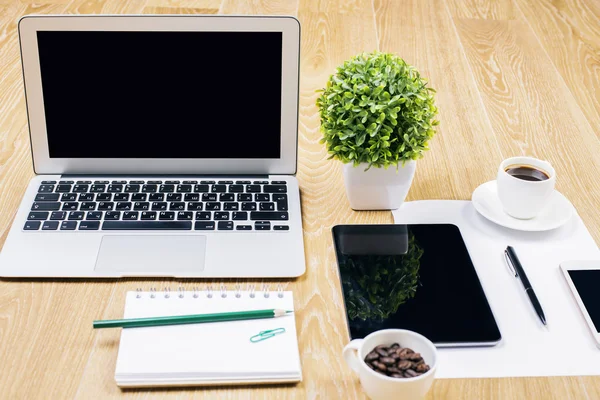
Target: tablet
416 277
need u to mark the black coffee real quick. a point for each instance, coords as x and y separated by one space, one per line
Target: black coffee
526 173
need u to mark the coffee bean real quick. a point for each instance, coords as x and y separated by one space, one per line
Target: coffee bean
422 368
410 351
380 366
402 353
381 352
397 376
387 360
409 373
395 346
396 361
405 364
415 357
372 356
394 370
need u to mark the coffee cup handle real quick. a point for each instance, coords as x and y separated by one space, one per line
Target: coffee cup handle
349 353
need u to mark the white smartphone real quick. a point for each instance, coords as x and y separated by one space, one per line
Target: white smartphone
583 278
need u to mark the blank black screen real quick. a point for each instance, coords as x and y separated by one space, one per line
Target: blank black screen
162 94
431 288
587 283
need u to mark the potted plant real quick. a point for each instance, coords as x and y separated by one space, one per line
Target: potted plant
376 112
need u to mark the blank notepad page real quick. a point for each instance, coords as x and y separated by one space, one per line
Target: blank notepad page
208 353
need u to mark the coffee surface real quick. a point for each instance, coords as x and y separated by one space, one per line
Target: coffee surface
526 173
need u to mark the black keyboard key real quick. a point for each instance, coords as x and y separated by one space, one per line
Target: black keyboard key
240 216
113 189
243 182
203 215
195 206
50 226
146 225
190 182
218 189
63 188
45 206
201 188
68 197
225 182
204 226
152 197
101 182
149 188
148 215
172 182
262 226
269 216
89 225
81 188
279 182
121 197
123 206
226 197
141 197
185 215
154 182
225 226
244 197
70 206
47 197
119 182
209 197
68 225
88 205
248 206
213 206
76 215
46 188
244 227
65 182
261 182
83 182
98 188
136 182
184 188
58 215
166 188
281 228
86 197
266 206
112 215
32 225
221 215
230 206
48 182
282 203
166 215
207 182
174 197
106 206
275 189
94 216
253 189
132 188
191 197
130 215
141 206
38 216
159 206
177 206
236 188
104 197
262 197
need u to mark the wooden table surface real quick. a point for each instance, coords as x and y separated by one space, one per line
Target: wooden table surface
514 77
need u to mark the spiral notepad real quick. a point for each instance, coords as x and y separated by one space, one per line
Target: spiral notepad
211 353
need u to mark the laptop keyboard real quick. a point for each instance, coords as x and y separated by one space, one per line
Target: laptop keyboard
204 205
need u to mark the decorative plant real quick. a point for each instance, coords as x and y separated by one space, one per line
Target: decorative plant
376 109
378 285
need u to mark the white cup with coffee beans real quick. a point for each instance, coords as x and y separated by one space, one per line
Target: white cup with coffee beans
393 364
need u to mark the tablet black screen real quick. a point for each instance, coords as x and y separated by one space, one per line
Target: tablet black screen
416 277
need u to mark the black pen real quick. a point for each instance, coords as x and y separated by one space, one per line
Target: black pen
513 262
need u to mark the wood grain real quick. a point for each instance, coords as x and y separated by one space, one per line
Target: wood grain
513 77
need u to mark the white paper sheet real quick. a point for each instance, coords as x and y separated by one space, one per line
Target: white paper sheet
565 346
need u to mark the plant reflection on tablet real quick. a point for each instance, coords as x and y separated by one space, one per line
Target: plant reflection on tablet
376 285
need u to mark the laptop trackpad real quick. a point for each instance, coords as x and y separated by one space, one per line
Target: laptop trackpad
151 255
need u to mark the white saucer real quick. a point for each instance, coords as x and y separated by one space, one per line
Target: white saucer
486 202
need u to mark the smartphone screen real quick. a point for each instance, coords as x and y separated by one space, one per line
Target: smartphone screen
587 283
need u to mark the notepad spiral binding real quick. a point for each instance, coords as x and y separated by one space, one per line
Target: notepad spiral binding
209 292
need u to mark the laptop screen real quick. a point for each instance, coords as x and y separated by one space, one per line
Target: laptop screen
111 94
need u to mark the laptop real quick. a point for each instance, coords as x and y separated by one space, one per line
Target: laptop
162 145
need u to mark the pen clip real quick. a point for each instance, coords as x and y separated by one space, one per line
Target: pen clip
264 335
510 265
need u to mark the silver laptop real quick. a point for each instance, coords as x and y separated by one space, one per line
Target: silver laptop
163 146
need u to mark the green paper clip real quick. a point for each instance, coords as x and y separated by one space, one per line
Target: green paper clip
264 335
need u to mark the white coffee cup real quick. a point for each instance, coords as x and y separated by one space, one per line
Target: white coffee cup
521 198
378 386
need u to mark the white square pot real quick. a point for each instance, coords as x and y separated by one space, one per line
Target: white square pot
378 188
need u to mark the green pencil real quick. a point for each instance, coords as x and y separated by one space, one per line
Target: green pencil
189 319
